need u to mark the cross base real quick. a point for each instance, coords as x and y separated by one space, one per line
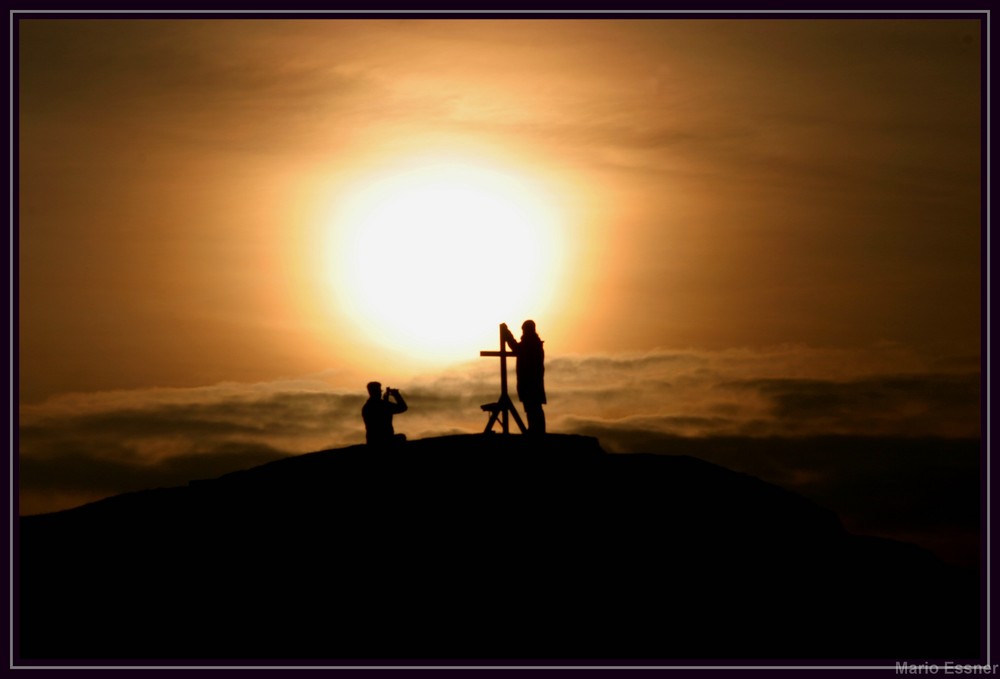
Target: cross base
500 409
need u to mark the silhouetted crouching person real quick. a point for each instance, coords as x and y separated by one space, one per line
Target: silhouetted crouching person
530 374
377 413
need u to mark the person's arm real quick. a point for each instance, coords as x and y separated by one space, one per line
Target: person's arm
400 405
508 337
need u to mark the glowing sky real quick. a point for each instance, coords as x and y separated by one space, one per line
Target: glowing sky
728 220
723 183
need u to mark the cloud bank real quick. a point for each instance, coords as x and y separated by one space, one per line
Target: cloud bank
102 443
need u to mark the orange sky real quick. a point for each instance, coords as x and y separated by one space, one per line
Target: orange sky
742 228
721 183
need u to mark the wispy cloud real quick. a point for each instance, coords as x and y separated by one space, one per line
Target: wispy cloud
111 442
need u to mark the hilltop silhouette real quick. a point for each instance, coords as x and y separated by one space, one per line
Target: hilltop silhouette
480 547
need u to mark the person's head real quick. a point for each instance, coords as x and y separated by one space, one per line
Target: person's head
528 327
374 389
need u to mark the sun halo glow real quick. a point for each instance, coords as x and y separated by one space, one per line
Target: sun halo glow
428 259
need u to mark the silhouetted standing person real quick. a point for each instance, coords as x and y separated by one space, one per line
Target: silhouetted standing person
377 413
530 374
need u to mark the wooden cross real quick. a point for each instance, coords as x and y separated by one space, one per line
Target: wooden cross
504 405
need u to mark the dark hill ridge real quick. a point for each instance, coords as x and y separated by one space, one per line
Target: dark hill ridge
480 547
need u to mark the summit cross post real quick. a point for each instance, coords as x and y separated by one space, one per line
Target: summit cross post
504 405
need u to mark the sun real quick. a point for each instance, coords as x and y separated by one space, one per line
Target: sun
427 258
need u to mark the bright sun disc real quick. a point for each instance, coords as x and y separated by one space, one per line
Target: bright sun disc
428 259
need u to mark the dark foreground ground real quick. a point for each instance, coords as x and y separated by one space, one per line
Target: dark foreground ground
480 548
